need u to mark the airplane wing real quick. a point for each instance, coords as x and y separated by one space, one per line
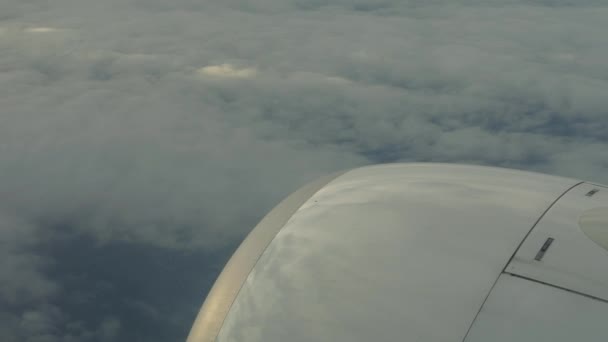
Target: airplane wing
420 252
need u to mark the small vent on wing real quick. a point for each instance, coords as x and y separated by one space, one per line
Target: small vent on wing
543 249
592 192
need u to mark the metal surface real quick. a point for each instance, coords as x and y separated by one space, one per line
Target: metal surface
594 223
526 311
575 260
222 294
390 252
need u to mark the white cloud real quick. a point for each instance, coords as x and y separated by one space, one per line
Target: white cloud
41 29
21 268
227 70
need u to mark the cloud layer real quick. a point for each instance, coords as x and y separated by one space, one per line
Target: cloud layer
170 128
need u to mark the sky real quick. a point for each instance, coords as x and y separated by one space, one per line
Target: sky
140 140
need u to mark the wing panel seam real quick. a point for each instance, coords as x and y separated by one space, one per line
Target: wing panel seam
514 253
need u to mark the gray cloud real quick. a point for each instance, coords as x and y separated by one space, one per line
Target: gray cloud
172 127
